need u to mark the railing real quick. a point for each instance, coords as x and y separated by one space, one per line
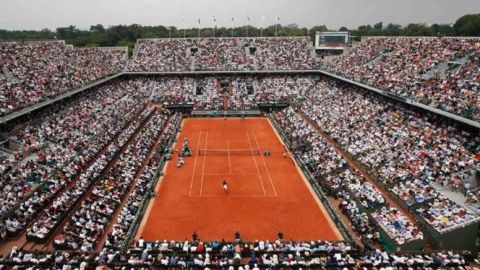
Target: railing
314 184
146 199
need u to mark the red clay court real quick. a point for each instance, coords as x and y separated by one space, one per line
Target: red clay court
266 194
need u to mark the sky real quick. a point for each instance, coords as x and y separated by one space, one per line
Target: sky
40 14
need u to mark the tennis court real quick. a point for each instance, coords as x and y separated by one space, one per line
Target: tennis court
267 194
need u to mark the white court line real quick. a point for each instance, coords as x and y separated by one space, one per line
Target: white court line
229 159
265 164
234 196
231 174
203 167
194 164
256 165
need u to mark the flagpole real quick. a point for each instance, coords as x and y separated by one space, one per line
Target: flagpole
233 25
198 28
262 18
276 25
213 29
183 22
246 26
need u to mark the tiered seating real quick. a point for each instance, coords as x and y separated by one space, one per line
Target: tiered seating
57 154
43 70
222 54
218 54
90 220
337 178
319 156
405 150
161 55
412 67
171 89
284 53
52 216
256 255
141 191
281 88
210 98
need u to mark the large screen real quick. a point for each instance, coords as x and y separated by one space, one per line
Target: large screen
331 39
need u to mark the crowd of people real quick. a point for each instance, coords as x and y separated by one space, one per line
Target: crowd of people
397 225
223 54
226 92
161 55
284 53
319 156
239 255
405 150
83 156
57 145
441 72
89 222
34 71
330 169
55 214
220 54
142 190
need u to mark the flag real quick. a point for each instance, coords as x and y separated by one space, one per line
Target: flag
198 21
232 19
214 20
248 17
278 18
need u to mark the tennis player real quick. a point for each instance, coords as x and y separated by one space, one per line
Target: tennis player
225 186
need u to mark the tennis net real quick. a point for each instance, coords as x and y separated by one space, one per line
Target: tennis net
227 152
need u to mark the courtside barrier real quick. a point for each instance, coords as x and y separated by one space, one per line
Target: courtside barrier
146 199
313 183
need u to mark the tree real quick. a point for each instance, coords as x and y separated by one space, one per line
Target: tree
415 29
378 26
97 28
468 25
343 29
393 29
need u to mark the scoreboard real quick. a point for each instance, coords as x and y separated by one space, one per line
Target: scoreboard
332 40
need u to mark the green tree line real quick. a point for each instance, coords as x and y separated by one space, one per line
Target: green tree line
126 35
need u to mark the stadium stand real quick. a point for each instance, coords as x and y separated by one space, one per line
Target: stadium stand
41 70
439 71
79 175
223 54
255 255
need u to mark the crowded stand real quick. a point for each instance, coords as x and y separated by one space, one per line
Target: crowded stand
85 170
445 215
362 223
319 156
171 90
403 149
240 255
90 220
56 155
397 225
284 53
223 54
393 222
129 213
281 88
440 72
55 214
208 97
220 54
41 70
161 55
